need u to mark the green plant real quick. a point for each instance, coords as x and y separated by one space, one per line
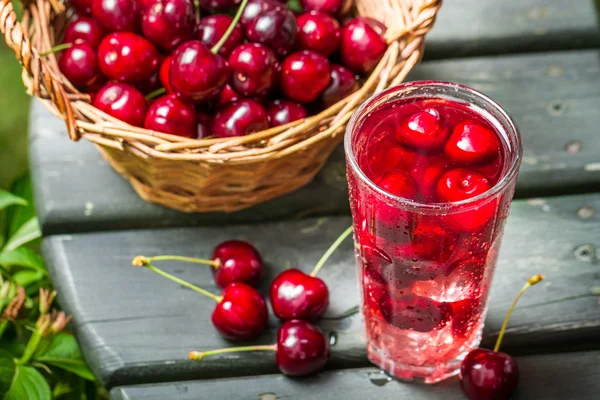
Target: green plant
39 358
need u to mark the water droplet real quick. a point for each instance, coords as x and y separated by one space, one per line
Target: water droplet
333 338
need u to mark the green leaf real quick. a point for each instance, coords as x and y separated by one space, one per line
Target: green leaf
28 384
27 277
29 231
22 257
17 216
64 353
7 371
8 199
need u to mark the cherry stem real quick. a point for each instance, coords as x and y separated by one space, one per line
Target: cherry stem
56 49
199 355
141 261
330 251
530 282
227 33
155 93
212 263
197 10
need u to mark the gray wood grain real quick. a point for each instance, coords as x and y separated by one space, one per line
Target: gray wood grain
557 112
136 327
475 27
573 376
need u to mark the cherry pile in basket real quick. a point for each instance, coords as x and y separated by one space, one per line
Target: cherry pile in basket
297 299
168 66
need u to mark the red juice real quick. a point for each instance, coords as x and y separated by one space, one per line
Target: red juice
431 172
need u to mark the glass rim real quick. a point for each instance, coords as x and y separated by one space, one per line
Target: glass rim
512 130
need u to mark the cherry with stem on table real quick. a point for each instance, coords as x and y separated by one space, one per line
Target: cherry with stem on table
490 374
232 261
301 349
297 295
241 312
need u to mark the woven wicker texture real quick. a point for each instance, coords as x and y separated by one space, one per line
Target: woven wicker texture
210 174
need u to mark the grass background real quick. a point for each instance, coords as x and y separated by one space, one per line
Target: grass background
14 110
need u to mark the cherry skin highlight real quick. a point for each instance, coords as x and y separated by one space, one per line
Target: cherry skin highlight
253 69
302 348
318 32
127 57
168 23
123 102
237 261
283 112
296 295
80 65
304 76
275 28
117 15
425 131
168 114
85 29
472 143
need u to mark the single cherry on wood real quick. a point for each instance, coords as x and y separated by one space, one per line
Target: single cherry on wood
297 295
240 313
492 375
123 102
168 114
85 29
304 76
127 57
168 23
301 349
117 15
232 261
362 44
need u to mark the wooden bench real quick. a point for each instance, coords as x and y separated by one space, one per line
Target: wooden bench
136 328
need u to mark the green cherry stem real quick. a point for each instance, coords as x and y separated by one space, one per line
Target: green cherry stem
225 36
56 49
212 263
141 261
530 282
330 251
155 93
199 355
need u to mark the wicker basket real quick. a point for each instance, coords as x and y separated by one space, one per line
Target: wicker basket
226 174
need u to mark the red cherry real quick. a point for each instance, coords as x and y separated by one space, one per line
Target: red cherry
237 261
163 73
252 69
239 119
488 375
241 314
424 130
195 73
226 96
472 143
144 4
203 123
84 29
80 65
254 8
302 348
304 76
168 114
117 15
343 83
283 112
274 28
465 315
415 313
211 29
296 295
123 102
363 44
328 6
127 57
82 6
318 32
219 5
461 184
400 184
168 23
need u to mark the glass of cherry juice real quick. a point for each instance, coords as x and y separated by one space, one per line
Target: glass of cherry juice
431 170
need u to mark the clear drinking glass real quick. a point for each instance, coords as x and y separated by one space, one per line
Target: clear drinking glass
425 265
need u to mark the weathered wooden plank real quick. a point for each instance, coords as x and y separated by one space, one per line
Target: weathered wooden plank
135 327
557 113
573 376
476 27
